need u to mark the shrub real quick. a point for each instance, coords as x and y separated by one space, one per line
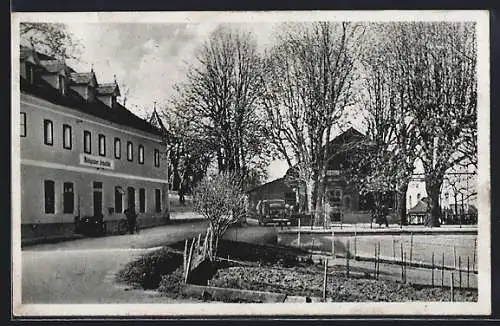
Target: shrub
221 201
147 271
172 283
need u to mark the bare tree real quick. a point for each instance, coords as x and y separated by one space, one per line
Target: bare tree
218 100
220 199
187 158
51 39
309 78
439 63
386 159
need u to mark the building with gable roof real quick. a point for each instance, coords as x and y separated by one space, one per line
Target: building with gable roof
82 152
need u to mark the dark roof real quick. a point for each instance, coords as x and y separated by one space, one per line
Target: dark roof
156 121
117 114
81 77
26 51
53 66
419 208
107 89
266 184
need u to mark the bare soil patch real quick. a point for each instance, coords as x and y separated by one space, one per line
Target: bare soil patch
308 281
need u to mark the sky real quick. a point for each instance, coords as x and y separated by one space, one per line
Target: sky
148 59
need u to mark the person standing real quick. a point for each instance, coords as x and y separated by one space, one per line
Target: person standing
131 218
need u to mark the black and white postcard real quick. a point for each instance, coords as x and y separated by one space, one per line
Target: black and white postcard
251 163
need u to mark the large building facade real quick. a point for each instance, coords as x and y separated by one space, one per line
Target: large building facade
82 153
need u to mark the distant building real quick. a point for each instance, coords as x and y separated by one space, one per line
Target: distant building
276 189
458 191
83 153
343 200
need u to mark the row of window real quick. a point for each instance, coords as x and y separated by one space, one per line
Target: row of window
48 139
69 197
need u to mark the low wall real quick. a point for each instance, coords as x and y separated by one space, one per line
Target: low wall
232 295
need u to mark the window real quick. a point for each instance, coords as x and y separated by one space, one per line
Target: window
97 185
142 200
157 158
118 199
418 196
62 85
157 201
337 195
141 154
49 197
87 142
130 151
68 198
118 148
102 145
30 74
23 124
48 132
67 136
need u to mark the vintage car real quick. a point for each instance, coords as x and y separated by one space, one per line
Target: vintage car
272 211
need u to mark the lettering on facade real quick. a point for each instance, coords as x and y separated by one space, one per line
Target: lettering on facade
97 162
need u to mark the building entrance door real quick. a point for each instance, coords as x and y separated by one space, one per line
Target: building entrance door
97 202
130 197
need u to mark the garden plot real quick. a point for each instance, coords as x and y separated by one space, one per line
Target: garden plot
308 281
277 270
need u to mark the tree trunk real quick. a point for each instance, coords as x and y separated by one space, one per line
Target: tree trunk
433 188
319 217
310 184
401 199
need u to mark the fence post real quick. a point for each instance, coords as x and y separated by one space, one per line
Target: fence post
402 267
404 264
454 257
468 271
442 271
459 272
188 265
474 253
378 260
394 249
451 286
325 276
185 254
312 245
355 243
375 261
432 268
347 259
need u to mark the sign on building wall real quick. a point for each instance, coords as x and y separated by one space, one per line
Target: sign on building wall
332 173
97 162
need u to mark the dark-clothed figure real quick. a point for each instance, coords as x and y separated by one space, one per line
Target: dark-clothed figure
131 218
385 212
